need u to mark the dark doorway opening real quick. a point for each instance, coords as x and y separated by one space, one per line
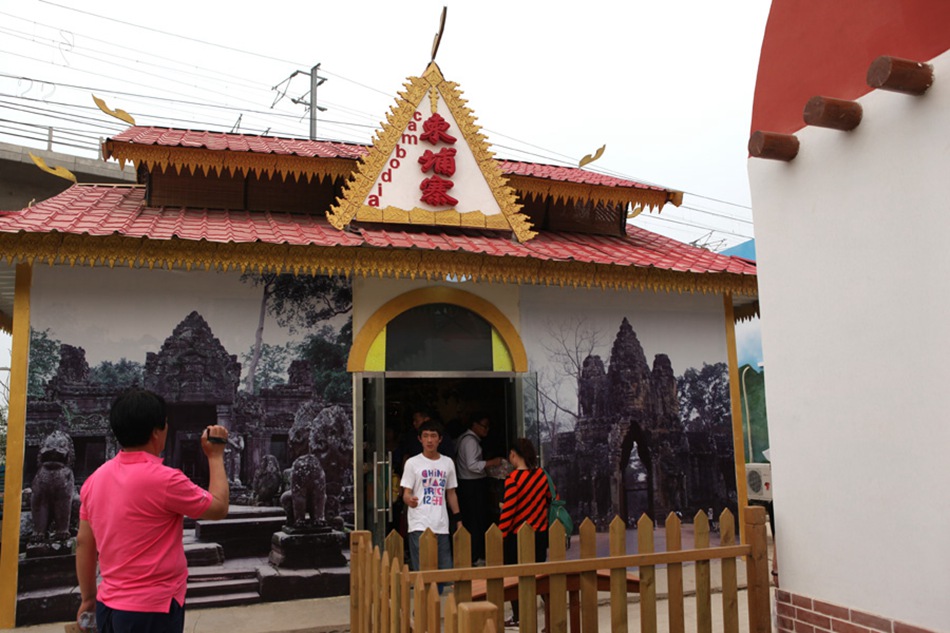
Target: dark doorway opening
388 435
186 422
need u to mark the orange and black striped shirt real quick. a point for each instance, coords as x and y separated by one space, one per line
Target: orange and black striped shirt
527 500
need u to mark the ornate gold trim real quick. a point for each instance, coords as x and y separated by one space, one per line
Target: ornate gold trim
363 340
572 192
746 312
112 250
244 163
216 161
6 322
433 84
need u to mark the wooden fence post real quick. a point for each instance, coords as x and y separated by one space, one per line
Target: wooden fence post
385 595
396 547
374 588
527 585
451 614
647 576
419 607
462 548
473 616
495 587
703 576
674 575
757 570
730 583
588 579
395 599
433 608
556 612
356 607
404 600
428 551
618 577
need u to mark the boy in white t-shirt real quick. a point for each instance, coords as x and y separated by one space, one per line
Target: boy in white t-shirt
428 484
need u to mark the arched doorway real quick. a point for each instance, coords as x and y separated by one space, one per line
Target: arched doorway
441 349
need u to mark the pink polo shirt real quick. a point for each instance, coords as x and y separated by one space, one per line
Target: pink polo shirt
135 506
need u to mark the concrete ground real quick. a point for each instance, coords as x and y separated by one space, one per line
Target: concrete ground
328 615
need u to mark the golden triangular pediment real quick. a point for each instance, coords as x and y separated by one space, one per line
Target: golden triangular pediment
430 165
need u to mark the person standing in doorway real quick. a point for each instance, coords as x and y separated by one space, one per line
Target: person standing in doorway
130 521
428 490
527 501
473 483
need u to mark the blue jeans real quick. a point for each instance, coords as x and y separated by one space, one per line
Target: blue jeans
445 551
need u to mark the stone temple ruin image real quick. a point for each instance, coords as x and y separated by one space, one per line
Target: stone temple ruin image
630 406
289 462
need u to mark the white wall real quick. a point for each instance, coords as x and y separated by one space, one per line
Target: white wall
853 244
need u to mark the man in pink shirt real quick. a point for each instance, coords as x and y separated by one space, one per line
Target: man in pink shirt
130 521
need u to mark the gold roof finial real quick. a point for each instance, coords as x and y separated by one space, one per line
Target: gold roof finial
122 115
62 172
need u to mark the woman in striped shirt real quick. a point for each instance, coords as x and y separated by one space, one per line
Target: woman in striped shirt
527 500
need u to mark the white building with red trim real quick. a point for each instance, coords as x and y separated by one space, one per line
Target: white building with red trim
851 228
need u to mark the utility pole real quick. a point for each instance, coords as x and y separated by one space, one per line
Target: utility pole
315 81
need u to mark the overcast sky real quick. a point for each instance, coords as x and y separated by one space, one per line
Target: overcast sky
666 85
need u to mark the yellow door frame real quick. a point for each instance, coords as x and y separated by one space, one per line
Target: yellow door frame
368 334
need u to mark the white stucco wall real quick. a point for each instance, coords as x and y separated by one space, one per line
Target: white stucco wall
853 258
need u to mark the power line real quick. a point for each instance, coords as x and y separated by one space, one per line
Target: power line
170 34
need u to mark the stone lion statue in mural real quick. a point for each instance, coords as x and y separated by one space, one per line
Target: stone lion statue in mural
267 481
321 445
53 489
307 490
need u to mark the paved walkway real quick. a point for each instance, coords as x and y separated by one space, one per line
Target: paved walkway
327 615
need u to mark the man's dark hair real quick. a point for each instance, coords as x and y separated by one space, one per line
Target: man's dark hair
477 417
431 425
135 413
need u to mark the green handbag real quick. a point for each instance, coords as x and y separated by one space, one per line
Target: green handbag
558 510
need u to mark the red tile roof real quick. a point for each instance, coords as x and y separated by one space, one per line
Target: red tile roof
102 210
197 139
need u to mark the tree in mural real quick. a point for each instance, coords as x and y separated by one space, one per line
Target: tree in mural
271 364
297 302
118 375
568 344
327 351
704 398
44 360
551 417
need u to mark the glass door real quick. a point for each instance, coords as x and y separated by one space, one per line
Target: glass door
373 463
523 410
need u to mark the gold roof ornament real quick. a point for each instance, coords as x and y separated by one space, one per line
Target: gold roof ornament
122 115
61 172
430 165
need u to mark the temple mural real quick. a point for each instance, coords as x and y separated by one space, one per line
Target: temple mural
263 355
631 403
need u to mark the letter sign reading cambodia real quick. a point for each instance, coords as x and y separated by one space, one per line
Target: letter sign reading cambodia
429 165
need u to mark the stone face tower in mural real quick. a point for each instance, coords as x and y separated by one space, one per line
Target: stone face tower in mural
625 407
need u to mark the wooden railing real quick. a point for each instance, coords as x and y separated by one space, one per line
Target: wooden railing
385 597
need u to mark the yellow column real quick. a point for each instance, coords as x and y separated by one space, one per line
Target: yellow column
738 438
16 443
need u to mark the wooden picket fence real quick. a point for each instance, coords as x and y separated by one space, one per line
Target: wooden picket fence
385 597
